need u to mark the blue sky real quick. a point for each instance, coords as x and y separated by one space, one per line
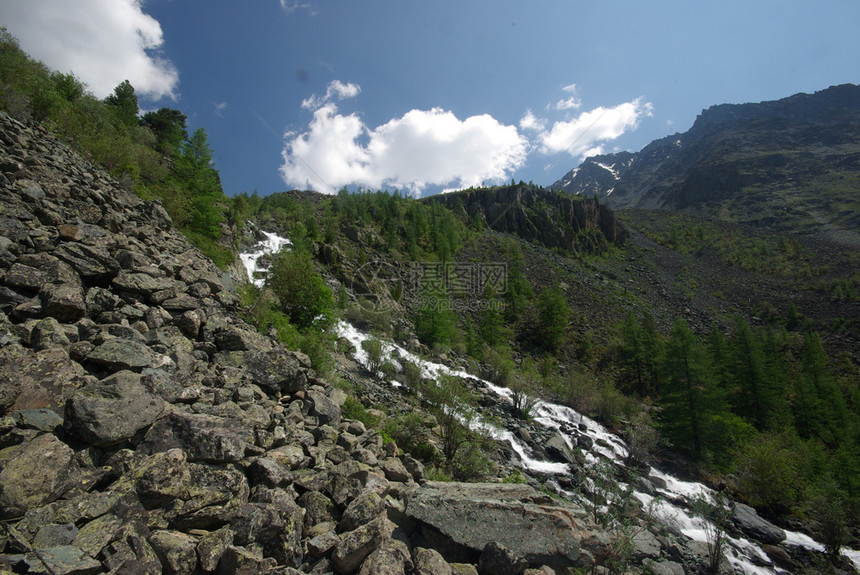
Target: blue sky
429 96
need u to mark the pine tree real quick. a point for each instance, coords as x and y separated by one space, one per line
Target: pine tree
689 398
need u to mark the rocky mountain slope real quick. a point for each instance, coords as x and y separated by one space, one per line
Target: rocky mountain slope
792 164
147 428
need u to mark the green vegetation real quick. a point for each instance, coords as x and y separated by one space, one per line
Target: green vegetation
152 156
761 405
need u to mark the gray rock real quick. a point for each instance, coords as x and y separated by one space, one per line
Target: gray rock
325 410
748 521
429 562
354 546
211 547
202 437
176 550
112 410
391 558
645 544
67 560
276 372
130 552
474 515
53 535
556 447
363 509
41 419
277 528
121 353
48 333
497 560
395 470
318 508
41 380
39 472
63 301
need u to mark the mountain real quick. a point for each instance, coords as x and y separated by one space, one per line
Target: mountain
790 164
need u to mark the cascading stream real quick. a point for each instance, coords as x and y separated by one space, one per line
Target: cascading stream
743 554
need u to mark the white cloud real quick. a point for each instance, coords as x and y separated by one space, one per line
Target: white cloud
585 134
102 42
335 89
571 103
422 148
219 108
291 5
531 122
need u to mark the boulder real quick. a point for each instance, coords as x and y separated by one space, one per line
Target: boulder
113 410
556 447
429 562
176 550
45 379
121 353
748 521
354 546
497 560
475 514
391 558
201 437
276 372
36 473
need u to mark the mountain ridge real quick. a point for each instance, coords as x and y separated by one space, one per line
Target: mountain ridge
792 163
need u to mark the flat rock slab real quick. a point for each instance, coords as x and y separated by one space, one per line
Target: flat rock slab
528 523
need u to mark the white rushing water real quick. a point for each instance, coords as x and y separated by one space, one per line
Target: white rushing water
270 246
744 555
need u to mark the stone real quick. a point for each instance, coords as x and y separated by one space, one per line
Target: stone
663 567
238 560
54 534
556 447
325 410
354 546
121 353
48 333
318 508
277 528
645 544
113 410
267 472
363 509
64 301
35 381
130 552
473 515
37 473
322 544
395 470
176 550
391 558
211 546
429 562
276 372
202 437
497 560
97 534
67 560
748 521
41 419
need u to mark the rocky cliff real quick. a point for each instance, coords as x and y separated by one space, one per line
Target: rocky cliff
146 428
534 214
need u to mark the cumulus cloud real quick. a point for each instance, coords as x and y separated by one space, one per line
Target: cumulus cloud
572 102
531 122
585 134
420 149
102 42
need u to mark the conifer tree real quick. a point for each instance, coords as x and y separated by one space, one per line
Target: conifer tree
689 398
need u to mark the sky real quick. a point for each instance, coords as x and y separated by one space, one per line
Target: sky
427 97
